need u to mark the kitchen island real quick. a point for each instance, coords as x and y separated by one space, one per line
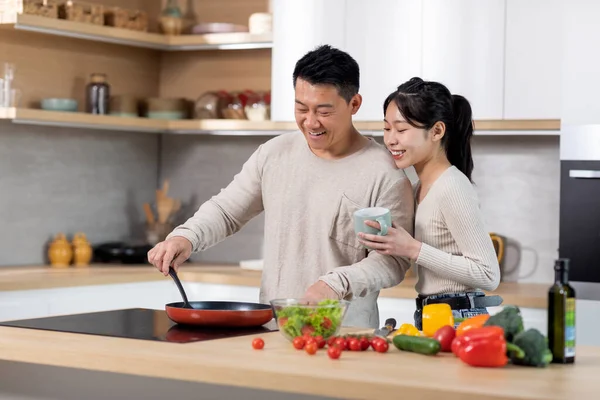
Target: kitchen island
221 368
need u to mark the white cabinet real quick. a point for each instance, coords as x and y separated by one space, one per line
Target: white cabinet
533 59
463 47
384 36
298 27
580 63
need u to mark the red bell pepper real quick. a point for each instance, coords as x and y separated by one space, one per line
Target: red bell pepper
483 347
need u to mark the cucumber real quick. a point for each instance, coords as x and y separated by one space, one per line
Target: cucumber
417 344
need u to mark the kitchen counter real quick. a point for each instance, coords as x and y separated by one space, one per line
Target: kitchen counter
43 277
232 362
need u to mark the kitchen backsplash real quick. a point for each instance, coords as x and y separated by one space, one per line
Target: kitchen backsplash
65 180
517 179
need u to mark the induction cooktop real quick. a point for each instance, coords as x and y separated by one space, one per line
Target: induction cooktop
134 323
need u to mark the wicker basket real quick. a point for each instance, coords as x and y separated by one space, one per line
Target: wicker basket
128 19
80 11
43 8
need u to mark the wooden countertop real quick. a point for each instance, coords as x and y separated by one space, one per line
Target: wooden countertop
280 367
43 277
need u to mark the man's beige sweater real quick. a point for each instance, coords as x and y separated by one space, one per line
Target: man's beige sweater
309 234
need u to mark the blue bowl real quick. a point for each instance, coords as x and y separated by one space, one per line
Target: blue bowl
54 104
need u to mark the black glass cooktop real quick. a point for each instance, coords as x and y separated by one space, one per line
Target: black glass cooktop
135 323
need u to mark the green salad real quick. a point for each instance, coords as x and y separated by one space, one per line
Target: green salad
305 321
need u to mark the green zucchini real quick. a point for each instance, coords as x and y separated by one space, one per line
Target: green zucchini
417 344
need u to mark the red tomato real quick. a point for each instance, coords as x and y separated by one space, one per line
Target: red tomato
311 348
331 340
307 330
326 324
354 344
334 352
375 340
258 344
445 335
364 343
341 343
299 342
320 341
380 346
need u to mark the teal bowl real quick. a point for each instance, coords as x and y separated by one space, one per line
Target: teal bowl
54 104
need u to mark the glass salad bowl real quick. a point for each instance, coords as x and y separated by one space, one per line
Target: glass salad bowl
297 317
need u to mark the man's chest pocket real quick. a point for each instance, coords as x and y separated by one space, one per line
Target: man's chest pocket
342 224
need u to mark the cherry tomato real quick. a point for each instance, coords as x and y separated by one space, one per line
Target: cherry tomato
320 341
334 352
331 340
307 330
445 335
258 344
374 341
364 343
381 346
311 348
354 344
299 342
326 324
341 343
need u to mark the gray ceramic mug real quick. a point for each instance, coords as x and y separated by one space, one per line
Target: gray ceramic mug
377 214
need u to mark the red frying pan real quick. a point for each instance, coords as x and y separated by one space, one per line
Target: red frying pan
216 313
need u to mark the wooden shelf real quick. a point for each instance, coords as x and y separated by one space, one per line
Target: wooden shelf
126 37
242 127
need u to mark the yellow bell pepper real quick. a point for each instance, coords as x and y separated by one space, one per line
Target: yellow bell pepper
435 316
407 329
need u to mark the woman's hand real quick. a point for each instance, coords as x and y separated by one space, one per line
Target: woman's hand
397 242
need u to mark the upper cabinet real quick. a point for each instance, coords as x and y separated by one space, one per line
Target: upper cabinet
384 36
463 47
580 63
533 59
298 27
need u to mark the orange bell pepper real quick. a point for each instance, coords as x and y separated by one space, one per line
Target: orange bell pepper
435 316
470 323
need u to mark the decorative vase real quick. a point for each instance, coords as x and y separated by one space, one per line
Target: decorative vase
171 19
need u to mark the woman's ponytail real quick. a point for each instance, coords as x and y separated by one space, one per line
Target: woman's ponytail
458 145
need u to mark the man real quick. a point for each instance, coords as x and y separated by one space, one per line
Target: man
309 184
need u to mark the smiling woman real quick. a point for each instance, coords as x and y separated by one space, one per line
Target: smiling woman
326 83
429 128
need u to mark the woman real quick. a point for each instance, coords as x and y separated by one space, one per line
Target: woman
429 128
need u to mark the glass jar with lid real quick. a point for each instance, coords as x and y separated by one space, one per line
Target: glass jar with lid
98 94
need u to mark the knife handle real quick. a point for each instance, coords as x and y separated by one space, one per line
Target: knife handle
390 323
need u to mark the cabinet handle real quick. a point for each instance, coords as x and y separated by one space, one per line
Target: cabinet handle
584 174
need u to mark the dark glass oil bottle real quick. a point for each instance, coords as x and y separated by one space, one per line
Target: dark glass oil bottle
561 315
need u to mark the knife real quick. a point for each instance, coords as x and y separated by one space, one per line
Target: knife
389 326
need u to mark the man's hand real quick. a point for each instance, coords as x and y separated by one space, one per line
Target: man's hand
174 250
319 291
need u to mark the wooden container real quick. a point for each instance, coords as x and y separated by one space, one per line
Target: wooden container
80 11
127 19
124 105
43 8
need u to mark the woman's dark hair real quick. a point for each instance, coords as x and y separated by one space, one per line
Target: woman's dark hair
424 103
326 65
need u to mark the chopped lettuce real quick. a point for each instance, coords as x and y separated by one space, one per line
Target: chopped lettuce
300 320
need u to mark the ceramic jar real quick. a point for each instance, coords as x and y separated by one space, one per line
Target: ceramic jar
60 252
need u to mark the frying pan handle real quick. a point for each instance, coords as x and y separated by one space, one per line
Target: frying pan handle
186 303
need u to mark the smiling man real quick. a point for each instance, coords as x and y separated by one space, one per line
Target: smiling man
309 184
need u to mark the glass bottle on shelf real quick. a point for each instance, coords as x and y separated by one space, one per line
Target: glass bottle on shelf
98 94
